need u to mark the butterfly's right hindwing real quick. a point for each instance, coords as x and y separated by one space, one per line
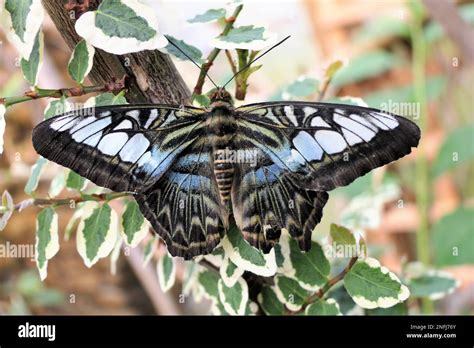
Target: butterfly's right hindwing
123 148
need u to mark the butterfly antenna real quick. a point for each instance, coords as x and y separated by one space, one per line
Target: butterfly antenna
187 56
255 59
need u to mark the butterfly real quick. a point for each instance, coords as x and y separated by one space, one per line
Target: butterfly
193 171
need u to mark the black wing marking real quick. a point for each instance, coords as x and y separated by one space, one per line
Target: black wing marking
324 146
266 199
184 206
124 148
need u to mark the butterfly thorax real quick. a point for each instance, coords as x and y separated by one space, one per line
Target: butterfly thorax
222 128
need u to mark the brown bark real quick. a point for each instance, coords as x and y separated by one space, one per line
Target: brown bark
153 78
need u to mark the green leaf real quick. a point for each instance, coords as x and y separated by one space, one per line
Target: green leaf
202 100
134 225
35 174
229 272
57 184
310 269
97 232
432 284
81 61
149 250
208 16
371 285
365 66
323 307
382 28
193 52
166 270
47 244
119 27
31 66
247 257
453 238
234 298
106 99
75 181
7 202
269 301
342 235
398 309
302 87
458 148
290 292
24 20
343 299
242 34
116 19
56 107
208 282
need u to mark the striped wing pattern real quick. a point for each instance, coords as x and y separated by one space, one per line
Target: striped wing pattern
306 149
157 153
163 155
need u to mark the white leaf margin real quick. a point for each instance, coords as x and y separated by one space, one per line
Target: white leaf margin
268 270
51 249
34 19
90 59
166 283
110 238
230 281
244 300
86 28
382 302
269 38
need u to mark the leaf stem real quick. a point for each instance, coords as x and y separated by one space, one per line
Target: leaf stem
214 53
422 166
115 86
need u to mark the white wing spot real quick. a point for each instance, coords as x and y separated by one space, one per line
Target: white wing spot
91 129
379 124
355 127
112 143
388 120
307 146
308 110
362 120
125 124
63 124
153 116
319 122
134 114
84 122
330 141
351 138
93 140
134 148
290 114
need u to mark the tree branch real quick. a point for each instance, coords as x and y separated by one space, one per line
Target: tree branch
214 53
153 76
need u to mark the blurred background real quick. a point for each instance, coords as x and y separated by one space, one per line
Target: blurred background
375 40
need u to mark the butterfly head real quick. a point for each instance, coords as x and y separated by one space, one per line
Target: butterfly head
220 95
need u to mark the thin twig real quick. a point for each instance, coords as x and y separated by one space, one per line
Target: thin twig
330 283
64 201
114 86
214 53
231 62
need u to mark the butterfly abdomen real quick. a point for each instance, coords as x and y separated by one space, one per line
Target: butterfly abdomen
222 128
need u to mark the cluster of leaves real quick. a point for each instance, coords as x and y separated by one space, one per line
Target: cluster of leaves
292 282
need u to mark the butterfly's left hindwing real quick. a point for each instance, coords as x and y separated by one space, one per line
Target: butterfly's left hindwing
324 146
